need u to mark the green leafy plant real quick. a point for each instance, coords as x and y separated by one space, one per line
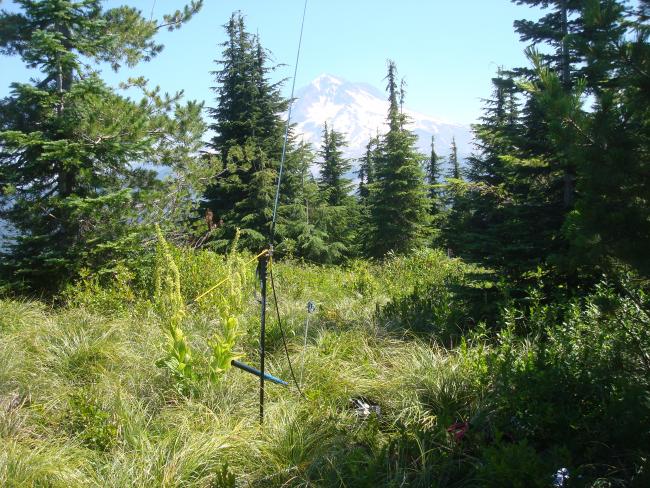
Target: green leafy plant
171 308
94 426
229 302
111 293
222 348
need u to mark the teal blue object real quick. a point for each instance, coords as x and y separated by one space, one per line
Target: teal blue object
251 370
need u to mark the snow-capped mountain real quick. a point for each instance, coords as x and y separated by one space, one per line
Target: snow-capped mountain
359 110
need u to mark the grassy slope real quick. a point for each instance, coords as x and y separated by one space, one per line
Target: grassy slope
82 402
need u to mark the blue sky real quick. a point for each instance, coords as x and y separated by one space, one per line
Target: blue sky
446 50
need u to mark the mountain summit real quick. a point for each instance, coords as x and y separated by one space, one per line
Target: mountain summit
359 111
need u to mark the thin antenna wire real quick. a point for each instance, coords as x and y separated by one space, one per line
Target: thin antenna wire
286 130
284 338
152 9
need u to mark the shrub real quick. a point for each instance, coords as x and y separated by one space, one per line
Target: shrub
90 423
580 384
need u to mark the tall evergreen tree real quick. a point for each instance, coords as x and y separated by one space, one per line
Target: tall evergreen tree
433 166
611 218
69 144
339 213
455 203
334 166
484 226
300 218
453 160
434 177
399 206
548 184
555 30
584 37
248 136
366 172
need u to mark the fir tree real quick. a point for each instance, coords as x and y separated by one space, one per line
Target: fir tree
70 144
339 212
433 168
453 160
583 37
300 218
554 30
366 172
249 129
610 222
558 29
399 206
548 183
482 225
334 166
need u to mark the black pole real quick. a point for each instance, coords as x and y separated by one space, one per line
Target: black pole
264 259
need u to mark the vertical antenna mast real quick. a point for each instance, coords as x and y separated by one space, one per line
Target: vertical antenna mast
265 258
263 262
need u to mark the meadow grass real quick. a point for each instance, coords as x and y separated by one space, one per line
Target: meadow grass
83 403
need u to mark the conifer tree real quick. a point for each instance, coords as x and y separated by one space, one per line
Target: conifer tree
332 181
300 217
70 145
610 222
455 203
249 131
524 211
433 169
555 30
584 37
433 174
399 206
484 225
453 160
339 213
366 172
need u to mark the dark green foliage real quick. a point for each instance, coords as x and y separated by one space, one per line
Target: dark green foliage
335 186
485 221
94 426
453 161
70 145
552 183
299 218
248 104
249 132
611 216
554 29
366 172
582 370
509 213
399 204
516 465
433 174
308 225
339 209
